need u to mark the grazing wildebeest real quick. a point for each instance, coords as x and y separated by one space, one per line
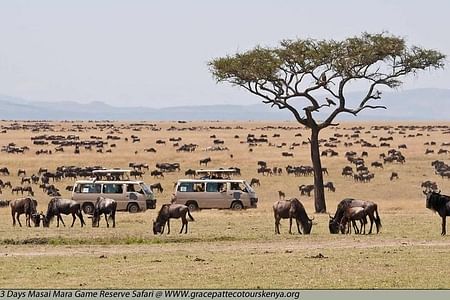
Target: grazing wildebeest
107 207
306 189
330 186
190 172
4 171
25 206
171 211
440 204
255 181
29 190
156 174
205 161
352 214
21 172
58 206
371 210
157 186
281 195
292 208
4 203
394 175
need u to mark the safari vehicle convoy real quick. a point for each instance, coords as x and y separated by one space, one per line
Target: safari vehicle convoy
130 195
215 193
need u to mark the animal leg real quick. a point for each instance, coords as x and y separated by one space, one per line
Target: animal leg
80 216
106 219
186 229
290 225
371 223
73 219
13 214
443 225
18 220
298 226
61 219
168 226
277 225
27 220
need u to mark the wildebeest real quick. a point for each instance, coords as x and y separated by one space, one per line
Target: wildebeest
4 203
4 171
58 206
371 210
394 175
157 186
156 174
171 211
306 189
107 207
330 186
190 172
440 204
25 206
292 208
205 161
255 181
281 195
352 214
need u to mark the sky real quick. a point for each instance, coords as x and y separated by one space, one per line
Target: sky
155 53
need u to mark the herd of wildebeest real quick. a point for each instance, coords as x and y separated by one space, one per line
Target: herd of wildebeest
350 213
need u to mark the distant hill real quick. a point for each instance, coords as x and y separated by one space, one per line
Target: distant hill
418 104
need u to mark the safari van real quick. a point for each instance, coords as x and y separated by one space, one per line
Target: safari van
131 196
215 193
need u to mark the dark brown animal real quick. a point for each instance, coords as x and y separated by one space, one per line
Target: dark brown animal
371 210
107 207
171 211
293 208
255 181
58 206
25 206
352 214
440 204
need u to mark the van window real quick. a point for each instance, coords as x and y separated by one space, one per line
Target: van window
88 188
215 187
112 188
190 187
238 186
212 187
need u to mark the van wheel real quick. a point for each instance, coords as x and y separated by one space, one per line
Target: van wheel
237 205
192 205
133 208
88 208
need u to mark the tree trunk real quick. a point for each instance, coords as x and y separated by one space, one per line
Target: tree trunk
319 192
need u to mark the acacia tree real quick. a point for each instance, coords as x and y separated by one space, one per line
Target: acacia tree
310 76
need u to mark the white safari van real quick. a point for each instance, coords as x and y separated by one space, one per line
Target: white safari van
131 196
215 193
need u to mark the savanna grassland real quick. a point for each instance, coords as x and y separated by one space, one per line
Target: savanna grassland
231 249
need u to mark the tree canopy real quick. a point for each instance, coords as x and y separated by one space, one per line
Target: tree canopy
298 68
319 72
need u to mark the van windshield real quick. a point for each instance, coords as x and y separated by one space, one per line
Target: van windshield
241 186
146 189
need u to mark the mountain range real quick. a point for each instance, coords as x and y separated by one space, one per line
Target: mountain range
416 104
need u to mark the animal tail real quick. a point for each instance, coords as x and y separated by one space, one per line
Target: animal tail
377 220
190 216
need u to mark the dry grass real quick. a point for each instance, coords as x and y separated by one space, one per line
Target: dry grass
225 248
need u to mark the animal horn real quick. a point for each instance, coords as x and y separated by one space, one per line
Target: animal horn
311 219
